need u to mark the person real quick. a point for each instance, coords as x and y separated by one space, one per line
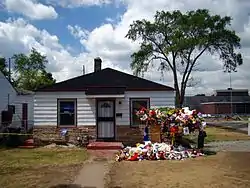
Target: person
146 135
201 138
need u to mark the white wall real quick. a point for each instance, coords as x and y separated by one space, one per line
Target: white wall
9 95
157 99
19 100
45 106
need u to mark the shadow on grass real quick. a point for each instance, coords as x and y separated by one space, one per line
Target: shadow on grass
68 186
209 152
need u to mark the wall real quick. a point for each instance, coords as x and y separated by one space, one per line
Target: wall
45 106
157 99
7 93
19 100
45 114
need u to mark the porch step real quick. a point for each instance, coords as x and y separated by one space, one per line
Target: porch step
26 147
28 144
105 146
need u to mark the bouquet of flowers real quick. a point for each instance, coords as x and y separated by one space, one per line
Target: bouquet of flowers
174 122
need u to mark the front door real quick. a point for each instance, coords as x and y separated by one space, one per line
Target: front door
105 119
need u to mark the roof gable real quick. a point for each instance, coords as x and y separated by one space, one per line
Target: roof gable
106 78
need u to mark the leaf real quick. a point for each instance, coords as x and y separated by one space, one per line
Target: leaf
176 38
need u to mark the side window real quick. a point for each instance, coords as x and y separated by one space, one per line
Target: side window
135 105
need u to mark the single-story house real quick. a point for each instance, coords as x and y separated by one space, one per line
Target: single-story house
103 102
19 102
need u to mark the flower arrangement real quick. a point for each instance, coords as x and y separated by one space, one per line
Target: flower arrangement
174 122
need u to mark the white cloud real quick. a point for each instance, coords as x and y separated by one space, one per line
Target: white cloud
108 42
31 9
79 3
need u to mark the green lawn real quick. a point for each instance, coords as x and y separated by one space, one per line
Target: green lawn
40 168
216 134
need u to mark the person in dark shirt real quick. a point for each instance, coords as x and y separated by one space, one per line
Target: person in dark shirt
145 135
201 138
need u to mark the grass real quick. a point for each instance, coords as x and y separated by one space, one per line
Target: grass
222 170
225 169
40 168
216 134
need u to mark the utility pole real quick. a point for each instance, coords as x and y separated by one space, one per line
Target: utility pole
231 91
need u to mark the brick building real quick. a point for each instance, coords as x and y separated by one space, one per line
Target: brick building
221 102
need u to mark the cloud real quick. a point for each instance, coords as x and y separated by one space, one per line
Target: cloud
79 3
31 9
108 41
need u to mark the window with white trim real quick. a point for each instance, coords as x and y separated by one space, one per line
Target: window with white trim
135 105
66 112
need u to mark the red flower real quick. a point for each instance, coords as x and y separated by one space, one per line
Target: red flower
152 113
174 129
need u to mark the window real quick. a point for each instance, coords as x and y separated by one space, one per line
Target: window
66 112
135 105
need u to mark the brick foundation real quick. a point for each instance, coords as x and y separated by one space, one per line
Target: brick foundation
128 135
50 134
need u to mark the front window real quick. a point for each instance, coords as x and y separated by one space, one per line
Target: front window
137 104
66 112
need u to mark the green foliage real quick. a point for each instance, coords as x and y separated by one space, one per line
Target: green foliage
30 71
177 40
3 66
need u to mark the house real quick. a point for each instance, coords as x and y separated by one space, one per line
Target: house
103 103
19 102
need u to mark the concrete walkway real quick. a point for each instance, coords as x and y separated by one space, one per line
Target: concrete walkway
94 171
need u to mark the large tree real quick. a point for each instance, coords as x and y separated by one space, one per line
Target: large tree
31 71
3 67
177 40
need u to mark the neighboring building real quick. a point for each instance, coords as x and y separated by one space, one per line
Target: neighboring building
103 103
20 102
221 102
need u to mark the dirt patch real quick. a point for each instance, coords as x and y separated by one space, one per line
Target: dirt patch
221 170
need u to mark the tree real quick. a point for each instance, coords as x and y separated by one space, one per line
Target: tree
177 40
3 67
30 71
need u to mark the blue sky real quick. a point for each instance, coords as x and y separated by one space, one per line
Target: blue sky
87 17
43 24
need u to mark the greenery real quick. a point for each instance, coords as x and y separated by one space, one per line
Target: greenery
40 167
177 40
3 67
29 70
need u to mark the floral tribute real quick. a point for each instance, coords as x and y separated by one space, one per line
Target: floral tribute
174 124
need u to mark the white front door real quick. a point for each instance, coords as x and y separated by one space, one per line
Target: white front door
105 119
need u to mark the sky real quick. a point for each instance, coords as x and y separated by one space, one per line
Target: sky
71 33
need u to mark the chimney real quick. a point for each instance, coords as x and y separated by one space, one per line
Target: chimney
83 70
97 64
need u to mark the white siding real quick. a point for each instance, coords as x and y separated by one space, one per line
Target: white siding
8 95
157 99
45 106
19 100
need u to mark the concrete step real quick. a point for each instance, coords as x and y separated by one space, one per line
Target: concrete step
105 146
